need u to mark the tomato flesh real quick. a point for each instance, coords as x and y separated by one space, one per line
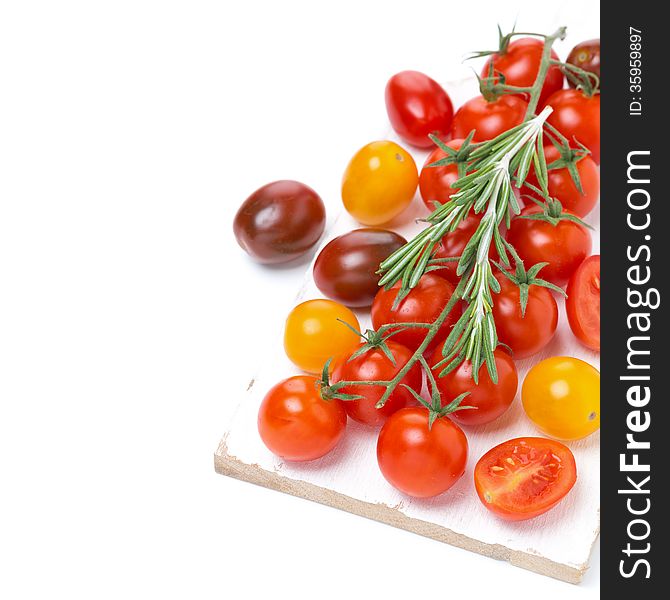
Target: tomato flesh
583 302
524 477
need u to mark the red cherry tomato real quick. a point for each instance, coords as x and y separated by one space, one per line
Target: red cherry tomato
452 244
295 423
374 365
564 245
561 186
488 119
524 477
435 182
346 268
422 305
577 117
417 106
418 460
521 63
583 302
525 335
489 399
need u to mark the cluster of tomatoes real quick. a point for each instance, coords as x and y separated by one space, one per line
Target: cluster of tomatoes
423 451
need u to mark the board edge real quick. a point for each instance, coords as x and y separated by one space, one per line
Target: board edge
231 466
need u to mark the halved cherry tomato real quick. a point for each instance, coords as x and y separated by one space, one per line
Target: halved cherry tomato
524 334
561 395
521 63
379 183
374 365
418 106
561 186
422 305
295 423
346 268
564 245
435 182
583 302
525 477
577 117
488 118
489 399
313 334
419 460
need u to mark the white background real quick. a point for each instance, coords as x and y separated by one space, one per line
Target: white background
130 132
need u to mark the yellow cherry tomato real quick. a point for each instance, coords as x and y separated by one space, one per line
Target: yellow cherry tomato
561 395
379 183
313 334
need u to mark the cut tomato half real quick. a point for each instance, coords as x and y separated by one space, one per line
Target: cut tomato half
525 477
583 302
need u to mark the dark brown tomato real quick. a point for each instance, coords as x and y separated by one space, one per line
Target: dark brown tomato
279 222
345 269
586 55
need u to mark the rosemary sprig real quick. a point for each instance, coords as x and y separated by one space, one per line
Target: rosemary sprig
487 173
486 189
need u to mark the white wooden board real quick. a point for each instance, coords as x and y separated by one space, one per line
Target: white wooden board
557 544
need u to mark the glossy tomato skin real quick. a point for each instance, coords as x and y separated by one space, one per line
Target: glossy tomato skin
374 365
435 182
577 117
489 399
561 396
524 477
418 106
564 245
561 186
422 305
296 424
279 222
528 334
453 243
419 461
379 183
313 334
583 302
488 119
345 269
521 63
586 56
